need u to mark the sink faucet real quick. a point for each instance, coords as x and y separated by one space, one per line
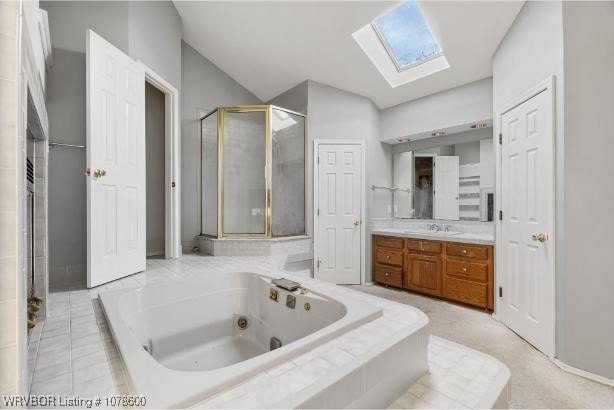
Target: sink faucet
434 227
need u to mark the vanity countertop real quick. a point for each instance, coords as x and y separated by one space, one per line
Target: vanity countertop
476 238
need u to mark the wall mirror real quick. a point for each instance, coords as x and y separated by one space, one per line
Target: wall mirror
448 182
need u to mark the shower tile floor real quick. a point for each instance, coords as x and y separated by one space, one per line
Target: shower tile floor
73 353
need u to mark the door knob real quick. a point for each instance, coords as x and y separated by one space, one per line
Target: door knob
97 173
541 237
356 222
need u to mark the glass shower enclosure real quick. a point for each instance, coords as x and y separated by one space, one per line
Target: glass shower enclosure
252 172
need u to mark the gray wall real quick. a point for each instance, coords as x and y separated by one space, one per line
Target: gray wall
573 41
154 158
536 39
461 105
294 99
205 87
531 51
468 152
127 26
154 34
337 114
586 327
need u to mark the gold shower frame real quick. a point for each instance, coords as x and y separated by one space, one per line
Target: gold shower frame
268 111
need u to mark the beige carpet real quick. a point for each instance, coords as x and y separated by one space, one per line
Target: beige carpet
536 381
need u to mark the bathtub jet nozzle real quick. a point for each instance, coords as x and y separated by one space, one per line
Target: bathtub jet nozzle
291 301
275 343
242 322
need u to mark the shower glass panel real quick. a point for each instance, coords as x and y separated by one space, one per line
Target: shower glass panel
288 173
209 166
252 172
244 172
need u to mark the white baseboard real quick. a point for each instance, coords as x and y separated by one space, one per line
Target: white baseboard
583 373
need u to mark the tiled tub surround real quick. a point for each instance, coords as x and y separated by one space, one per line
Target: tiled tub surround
75 352
289 245
195 347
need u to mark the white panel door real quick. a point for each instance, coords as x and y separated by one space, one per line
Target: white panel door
338 217
527 194
116 163
446 188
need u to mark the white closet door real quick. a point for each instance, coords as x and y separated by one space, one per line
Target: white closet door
527 164
339 213
446 188
116 162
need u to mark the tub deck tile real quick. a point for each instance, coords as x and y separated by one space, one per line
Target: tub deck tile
458 377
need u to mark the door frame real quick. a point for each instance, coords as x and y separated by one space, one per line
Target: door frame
413 182
316 193
172 160
545 86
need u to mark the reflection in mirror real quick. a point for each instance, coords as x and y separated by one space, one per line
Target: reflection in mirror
449 182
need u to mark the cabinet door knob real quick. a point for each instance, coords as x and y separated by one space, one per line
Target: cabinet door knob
464 269
387 256
387 274
464 251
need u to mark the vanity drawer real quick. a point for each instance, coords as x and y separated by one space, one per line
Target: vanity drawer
389 257
424 246
467 251
389 242
475 271
467 292
388 275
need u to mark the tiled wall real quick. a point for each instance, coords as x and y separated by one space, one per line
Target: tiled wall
11 144
41 249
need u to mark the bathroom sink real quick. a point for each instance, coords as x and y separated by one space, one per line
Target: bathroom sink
431 233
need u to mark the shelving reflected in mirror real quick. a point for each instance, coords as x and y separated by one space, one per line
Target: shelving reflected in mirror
448 182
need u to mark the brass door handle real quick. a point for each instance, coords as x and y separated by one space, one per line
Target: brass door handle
356 222
541 237
97 173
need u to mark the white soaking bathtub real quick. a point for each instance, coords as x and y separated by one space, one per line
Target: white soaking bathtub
182 342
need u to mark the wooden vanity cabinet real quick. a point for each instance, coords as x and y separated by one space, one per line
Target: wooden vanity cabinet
424 274
450 270
424 267
388 260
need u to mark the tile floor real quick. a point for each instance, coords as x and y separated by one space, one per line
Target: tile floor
536 381
73 353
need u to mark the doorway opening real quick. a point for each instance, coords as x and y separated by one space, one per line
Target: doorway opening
154 174
162 163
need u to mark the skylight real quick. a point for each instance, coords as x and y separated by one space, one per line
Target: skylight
406 36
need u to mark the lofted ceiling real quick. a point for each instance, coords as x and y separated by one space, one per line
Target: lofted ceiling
271 46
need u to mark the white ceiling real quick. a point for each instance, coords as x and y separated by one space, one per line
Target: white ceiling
269 47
